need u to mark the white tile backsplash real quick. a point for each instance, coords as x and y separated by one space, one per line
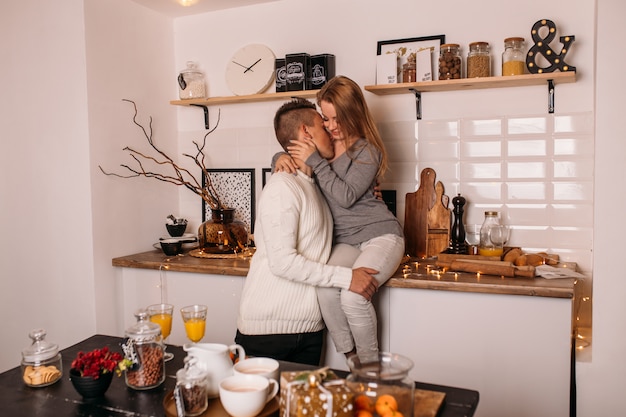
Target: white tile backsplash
536 170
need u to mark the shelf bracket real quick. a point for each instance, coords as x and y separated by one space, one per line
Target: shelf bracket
206 114
550 96
418 103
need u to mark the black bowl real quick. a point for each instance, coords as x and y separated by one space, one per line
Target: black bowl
176 230
171 247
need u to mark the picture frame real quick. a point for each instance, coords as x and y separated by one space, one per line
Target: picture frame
266 174
235 188
404 47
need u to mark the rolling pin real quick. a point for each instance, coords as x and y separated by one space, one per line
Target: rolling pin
498 268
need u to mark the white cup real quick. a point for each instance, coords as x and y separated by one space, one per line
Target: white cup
266 367
246 395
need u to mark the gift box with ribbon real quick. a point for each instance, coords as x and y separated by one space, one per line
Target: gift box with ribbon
318 393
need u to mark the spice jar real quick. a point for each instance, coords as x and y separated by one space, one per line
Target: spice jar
409 69
449 61
513 56
144 348
192 390
478 60
41 361
389 375
191 83
487 246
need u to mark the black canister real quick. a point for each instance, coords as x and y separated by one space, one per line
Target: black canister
298 68
281 75
322 70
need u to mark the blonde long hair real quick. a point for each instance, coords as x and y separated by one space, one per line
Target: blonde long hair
353 114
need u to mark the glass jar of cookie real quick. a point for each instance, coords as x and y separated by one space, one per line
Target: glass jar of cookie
41 361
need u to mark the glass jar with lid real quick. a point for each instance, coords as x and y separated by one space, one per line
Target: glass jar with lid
191 82
513 57
487 246
450 63
478 60
143 347
41 361
191 393
389 375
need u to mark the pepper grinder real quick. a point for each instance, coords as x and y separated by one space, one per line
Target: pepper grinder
457 234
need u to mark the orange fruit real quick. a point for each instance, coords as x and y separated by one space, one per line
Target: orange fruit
386 403
392 413
362 413
363 402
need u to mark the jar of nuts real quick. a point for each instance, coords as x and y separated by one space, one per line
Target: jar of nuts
41 361
478 60
450 62
191 83
144 348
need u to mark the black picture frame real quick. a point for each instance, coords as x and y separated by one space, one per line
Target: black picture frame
404 47
266 173
235 187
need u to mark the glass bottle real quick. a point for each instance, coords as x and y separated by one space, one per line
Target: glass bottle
513 57
191 83
144 348
389 375
478 60
41 361
486 246
450 62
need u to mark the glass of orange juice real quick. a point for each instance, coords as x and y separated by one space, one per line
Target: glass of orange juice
161 314
194 317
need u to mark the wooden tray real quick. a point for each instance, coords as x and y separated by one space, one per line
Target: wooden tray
427 403
215 408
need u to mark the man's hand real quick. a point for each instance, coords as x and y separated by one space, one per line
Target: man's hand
363 283
285 163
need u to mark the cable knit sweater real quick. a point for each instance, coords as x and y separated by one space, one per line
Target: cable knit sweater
293 236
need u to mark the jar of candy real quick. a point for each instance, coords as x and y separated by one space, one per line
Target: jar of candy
191 82
384 382
513 56
478 60
41 361
144 348
450 62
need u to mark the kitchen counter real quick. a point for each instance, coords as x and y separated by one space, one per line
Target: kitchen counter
425 276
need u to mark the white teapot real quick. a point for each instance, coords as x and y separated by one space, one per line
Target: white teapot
214 358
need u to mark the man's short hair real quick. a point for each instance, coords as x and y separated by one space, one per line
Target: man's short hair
290 116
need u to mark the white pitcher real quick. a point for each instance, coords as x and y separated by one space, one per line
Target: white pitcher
214 358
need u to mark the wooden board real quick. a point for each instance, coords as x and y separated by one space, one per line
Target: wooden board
416 214
215 408
427 403
438 228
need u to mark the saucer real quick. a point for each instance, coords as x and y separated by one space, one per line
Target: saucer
186 238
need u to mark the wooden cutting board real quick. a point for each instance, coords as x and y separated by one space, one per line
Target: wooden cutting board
416 214
427 217
438 233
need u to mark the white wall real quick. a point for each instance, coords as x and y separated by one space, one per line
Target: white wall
66 221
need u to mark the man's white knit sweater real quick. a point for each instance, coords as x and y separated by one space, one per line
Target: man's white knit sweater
293 236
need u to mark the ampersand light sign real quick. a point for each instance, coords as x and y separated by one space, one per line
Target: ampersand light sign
542 46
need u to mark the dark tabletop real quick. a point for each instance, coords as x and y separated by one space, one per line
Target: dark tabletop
60 399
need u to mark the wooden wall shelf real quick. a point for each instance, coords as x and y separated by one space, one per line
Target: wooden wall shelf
245 99
473 83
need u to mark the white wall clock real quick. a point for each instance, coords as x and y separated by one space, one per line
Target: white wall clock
250 70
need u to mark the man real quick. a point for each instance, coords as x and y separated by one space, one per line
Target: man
279 315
